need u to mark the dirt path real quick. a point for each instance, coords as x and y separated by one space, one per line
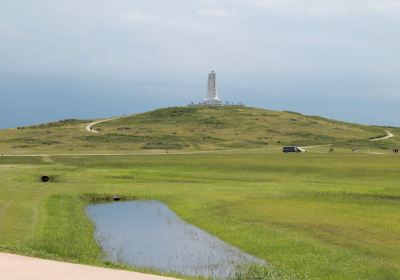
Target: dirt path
388 135
174 152
89 127
14 267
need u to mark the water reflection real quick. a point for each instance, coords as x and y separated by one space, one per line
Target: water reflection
148 234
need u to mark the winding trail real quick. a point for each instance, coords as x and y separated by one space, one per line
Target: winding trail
14 267
89 127
388 136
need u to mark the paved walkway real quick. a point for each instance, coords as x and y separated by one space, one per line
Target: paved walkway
388 135
89 127
14 267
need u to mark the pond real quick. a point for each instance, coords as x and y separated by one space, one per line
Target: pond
148 234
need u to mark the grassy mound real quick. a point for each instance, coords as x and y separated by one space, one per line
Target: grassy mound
194 128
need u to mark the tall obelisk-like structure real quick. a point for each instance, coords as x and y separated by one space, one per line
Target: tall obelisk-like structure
212 97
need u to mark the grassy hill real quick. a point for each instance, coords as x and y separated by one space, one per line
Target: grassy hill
193 128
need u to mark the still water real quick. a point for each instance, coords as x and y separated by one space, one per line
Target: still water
148 234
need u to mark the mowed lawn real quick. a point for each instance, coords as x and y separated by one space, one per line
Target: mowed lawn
311 216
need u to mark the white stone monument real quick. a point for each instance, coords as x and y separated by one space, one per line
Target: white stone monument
212 97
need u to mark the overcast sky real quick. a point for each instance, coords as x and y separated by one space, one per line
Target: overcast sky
98 58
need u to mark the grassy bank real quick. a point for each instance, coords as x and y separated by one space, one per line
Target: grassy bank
313 216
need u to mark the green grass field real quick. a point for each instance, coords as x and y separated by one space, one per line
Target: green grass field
312 216
318 215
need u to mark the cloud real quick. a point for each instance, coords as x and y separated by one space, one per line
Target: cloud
336 49
8 30
138 17
219 13
328 6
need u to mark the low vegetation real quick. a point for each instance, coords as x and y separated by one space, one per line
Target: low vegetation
311 216
194 129
318 215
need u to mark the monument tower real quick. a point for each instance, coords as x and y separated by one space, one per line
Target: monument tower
212 97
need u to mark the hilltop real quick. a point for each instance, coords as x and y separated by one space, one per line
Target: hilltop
193 128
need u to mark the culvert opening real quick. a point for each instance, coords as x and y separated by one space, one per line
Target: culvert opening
116 198
45 179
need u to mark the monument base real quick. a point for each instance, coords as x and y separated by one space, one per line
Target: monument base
212 102
215 104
